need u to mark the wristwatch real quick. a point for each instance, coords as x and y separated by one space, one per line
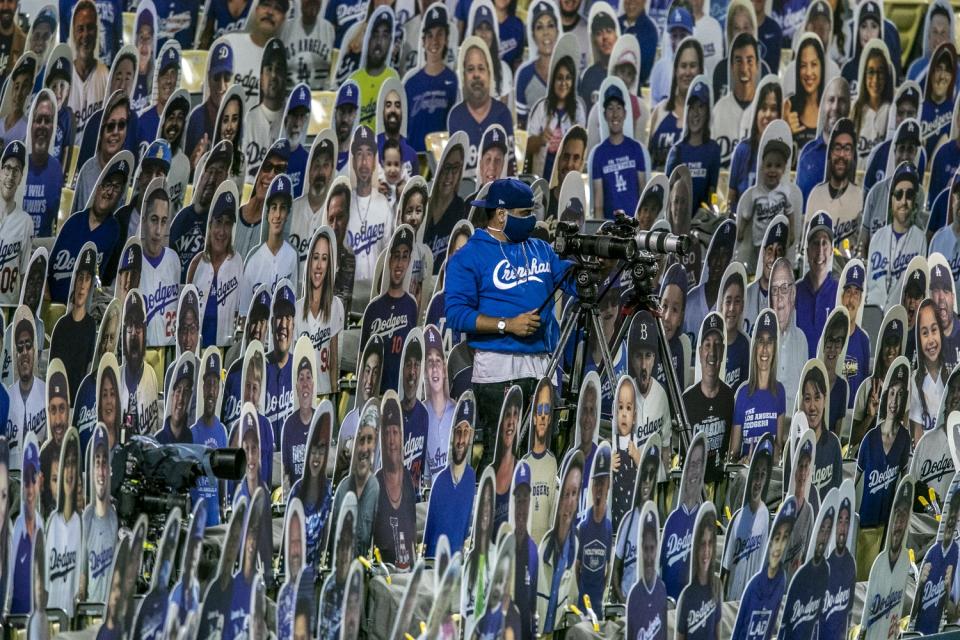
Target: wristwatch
502 326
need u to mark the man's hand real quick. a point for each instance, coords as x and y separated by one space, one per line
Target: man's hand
525 324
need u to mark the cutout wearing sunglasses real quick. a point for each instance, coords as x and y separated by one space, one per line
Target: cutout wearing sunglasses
909 193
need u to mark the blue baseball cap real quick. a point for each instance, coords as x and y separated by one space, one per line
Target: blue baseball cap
281 187
299 98
699 91
189 299
221 59
643 332
132 257
613 92
601 463
908 132
507 193
62 68
777 234
680 18
100 438
363 136
821 220
121 166
905 171
806 449
170 58
15 150
432 339
348 94
158 152
854 277
436 17
31 461
483 15
280 149
787 513
260 307
766 323
521 475
713 323
47 16
225 205
676 275
893 332
725 236
765 447
184 372
941 278
87 262
465 412
211 366
540 8
403 236
494 137
284 301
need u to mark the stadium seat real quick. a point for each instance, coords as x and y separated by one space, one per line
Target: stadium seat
194 66
870 323
520 144
51 313
129 26
321 111
66 201
72 164
156 359
188 194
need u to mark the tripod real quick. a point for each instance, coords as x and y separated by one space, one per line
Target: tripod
583 319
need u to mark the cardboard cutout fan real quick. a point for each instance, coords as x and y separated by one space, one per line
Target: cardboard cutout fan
320 314
454 487
699 605
939 566
342 544
543 463
395 530
215 604
886 586
312 488
296 426
677 534
475 587
152 614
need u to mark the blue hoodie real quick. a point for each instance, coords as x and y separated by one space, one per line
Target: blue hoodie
488 277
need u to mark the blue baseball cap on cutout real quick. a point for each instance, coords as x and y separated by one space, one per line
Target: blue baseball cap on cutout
281 187
15 150
31 462
465 412
221 59
432 339
159 152
854 277
299 98
284 302
521 475
699 91
777 234
185 372
483 15
821 220
212 366
170 58
225 205
507 193
680 18
941 278
613 92
280 149
348 94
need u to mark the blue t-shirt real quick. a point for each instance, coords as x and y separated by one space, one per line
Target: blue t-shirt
512 38
178 596
698 612
857 363
757 413
460 119
213 436
41 198
934 122
881 472
743 169
223 21
152 614
760 606
647 611
279 397
811 165
22 592
838 602
738 360
936 589
617 166
71 238
239 612
450 510
839 393
293 446
416 422
342 14
813 307
662 139
296 168
675 548
85 409
946 160
429 100
63 140
317 514
593 554
391 319
803 608
187 231
770 38
148 124
703 161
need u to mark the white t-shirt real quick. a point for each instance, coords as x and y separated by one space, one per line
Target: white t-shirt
308 53
86 96
16 233
63 560
247 56
932 393
301 228
261 130
321 334
368 232
653 416
265 267
226 294
28 414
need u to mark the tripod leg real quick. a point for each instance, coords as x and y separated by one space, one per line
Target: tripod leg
604 348
674 392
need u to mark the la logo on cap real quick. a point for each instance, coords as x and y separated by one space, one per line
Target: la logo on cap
766 320
434 14
303 94
349 91
495 136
